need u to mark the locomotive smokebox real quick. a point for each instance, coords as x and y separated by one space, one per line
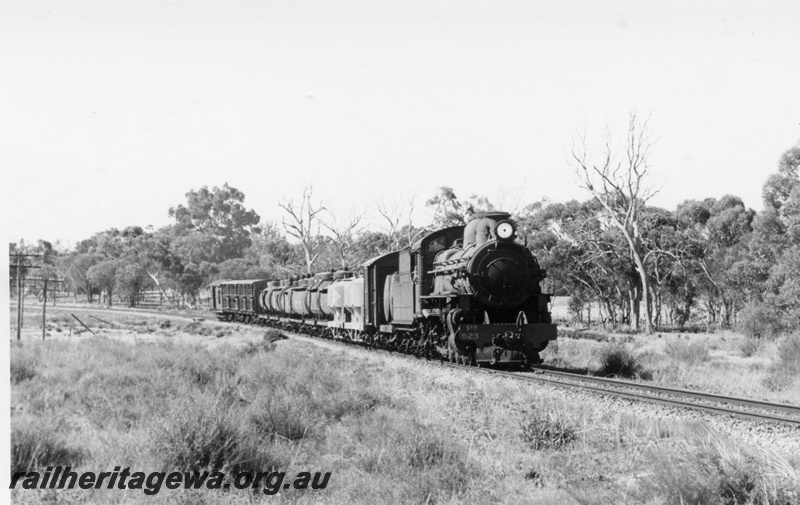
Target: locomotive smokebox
502 274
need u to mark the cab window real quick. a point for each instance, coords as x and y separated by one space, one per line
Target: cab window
434 246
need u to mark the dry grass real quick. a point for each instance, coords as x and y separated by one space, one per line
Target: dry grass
389 430
24 363
784 372
708 469
38 442
685 352
724 363
750 347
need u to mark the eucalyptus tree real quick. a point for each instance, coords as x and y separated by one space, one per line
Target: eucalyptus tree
620 185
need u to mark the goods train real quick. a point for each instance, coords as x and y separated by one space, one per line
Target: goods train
468 294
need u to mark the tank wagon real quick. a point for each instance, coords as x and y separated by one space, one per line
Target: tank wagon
470 294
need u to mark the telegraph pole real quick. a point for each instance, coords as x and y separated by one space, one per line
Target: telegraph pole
44 308
20 266
19 297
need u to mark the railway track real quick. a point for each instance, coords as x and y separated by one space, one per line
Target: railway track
732 406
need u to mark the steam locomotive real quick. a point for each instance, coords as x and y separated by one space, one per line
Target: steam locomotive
469 294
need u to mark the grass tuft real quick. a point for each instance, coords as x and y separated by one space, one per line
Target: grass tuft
711 470
547 431
785 370
204 368
23 367
280 415
440 467
426 452
789 353
750 347
681 351
619 360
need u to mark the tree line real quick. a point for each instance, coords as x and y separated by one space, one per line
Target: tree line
621 261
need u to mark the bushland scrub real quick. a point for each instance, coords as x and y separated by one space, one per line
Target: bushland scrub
390 431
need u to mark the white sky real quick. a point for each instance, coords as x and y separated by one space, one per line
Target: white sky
113 110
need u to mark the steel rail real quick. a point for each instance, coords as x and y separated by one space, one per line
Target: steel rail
732 400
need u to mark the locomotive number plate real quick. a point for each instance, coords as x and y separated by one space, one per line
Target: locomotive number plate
469 332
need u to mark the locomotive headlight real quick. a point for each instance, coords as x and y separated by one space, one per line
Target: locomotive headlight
505 230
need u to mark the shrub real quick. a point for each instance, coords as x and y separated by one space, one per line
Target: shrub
685 352
762 321
266 344
786 369
279 415
777 380
203 367
273 335
789 354
315 384
439 467
547 431
208 434
749 347
197 328
23 367
619 360
38 443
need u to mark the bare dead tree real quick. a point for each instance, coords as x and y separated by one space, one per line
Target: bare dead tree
399 225
302 218
392 216
344 230
620 185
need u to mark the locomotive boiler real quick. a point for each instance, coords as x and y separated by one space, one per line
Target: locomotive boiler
471 294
